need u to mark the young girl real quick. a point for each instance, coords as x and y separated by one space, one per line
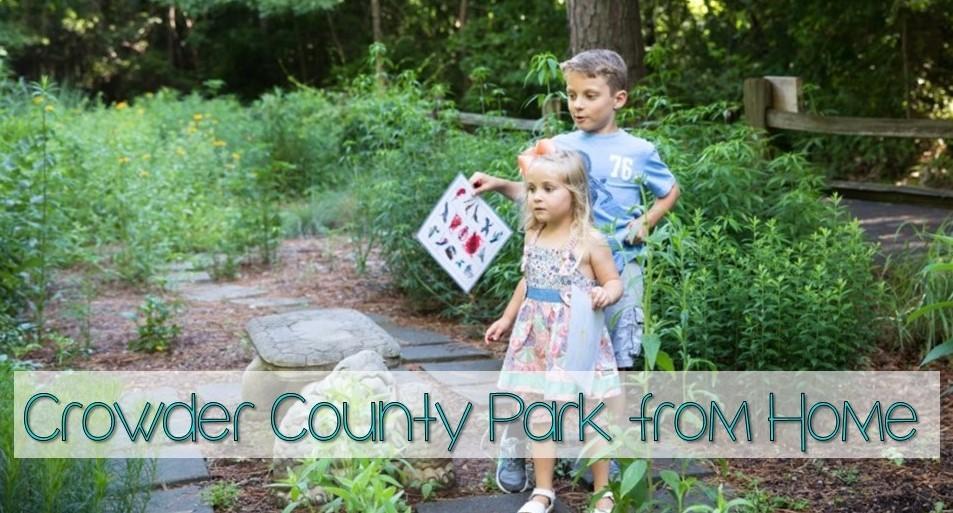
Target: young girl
562 252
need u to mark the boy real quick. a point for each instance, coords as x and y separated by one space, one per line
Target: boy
596 86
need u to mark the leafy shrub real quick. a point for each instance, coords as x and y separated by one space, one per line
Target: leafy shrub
157 329
758 265
222 495
348 485
68 485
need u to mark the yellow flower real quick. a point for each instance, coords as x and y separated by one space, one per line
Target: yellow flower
123 160
197 117
218 143
236 155
191 129
48 108
143 174
121 105
38 100
180 152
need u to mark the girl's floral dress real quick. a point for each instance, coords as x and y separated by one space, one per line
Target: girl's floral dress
536 357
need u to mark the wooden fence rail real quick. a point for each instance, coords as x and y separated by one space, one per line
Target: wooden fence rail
776 102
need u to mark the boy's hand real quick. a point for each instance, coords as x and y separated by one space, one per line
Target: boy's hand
637 232
483 182
600 298
497 330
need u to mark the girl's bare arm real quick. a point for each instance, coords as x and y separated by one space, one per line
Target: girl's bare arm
603 268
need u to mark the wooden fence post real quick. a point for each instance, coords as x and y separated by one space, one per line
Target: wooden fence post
757 100
785 94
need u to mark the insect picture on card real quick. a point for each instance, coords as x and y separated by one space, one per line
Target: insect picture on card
463 234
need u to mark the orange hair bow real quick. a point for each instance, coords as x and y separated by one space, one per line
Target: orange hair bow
542 147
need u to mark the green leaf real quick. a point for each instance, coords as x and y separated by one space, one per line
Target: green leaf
651 343
923 310
938 267
944 349
664 361
632 476
670 477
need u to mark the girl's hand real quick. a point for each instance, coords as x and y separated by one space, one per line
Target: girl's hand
497 330
483 182
600 298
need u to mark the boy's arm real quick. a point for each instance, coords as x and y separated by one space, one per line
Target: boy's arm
648 220
482 182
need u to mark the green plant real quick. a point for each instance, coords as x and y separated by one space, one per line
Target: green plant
69 485
156 327
678 487
221 495
348 485
936 306
722 504
762 501
64 348
848 475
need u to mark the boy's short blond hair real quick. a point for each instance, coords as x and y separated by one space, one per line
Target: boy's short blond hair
599 63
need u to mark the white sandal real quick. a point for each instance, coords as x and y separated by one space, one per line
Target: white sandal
607 495
532 506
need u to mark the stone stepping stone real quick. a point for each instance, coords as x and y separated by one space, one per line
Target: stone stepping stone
317 339
479 395
229 394
175 281
187 499
175 471
273 303
219 292
442 353
179 465
484 504
694 468
477 371
409 336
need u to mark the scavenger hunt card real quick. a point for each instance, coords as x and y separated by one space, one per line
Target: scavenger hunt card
463 233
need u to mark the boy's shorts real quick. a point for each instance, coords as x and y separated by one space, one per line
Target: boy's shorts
624 318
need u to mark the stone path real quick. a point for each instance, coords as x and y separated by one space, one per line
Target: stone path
895 225
177 482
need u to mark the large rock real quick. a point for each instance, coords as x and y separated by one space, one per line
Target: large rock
318 339
365 376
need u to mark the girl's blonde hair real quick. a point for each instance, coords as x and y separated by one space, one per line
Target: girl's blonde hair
570 167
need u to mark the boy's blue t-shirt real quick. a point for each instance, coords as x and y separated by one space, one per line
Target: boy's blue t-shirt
618 164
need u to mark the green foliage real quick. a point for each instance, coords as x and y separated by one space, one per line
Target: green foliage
221 495
156 326
753 262
67 485
355 485
934 312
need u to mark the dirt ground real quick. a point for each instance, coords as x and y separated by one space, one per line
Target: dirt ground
323 271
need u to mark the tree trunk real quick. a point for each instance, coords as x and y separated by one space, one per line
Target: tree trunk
462 14
376 20
378 36
612 24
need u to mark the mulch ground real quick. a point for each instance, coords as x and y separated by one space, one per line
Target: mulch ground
323 271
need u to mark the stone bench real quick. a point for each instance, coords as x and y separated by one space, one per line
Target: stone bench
309 340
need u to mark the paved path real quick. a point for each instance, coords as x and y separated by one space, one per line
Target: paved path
895 226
